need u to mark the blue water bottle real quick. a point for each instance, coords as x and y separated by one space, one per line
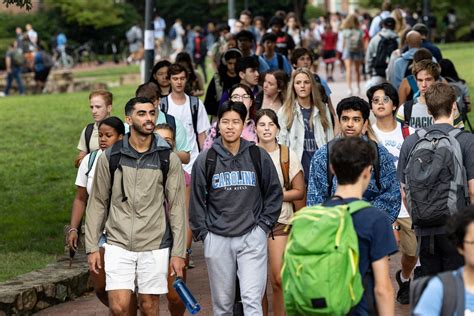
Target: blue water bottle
185 294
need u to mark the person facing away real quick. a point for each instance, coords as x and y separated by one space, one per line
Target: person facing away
435 252
100 103
236 199
128 203
352 160
383 190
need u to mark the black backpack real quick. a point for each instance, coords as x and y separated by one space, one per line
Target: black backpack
384 50
88 135
453 292
376 166
193 104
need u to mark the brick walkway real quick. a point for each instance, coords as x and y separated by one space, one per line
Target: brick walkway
198 282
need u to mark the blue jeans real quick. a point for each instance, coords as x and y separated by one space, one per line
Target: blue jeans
14 74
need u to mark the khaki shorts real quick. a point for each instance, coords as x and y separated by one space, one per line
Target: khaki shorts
407 237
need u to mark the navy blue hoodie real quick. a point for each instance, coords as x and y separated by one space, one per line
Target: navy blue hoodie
234 204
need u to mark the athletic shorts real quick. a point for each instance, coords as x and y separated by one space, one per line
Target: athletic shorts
149 267
329 56
407 237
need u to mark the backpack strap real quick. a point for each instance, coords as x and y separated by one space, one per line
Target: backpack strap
357 206
114 164
171 121
164 104
164 165
90 163
194 105
412 82
330 175
453 293
211 159
88 135
285 165
376 164
280 61
407 109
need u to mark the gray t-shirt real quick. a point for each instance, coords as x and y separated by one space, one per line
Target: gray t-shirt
310 145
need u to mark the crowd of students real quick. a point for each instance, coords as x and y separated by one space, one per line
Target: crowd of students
232 171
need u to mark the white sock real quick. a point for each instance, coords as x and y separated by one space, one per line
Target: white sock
403 279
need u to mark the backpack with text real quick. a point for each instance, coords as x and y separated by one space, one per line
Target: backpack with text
320 274
384 50
435 178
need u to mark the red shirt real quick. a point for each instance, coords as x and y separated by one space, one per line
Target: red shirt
329 40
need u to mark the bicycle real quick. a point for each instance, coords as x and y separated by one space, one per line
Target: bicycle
62 59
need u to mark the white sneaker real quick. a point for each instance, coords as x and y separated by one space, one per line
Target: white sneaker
349 92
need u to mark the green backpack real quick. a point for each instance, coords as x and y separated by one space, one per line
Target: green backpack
320 274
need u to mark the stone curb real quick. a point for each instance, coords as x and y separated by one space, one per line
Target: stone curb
37 290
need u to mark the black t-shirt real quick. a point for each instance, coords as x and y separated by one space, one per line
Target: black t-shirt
284 43
376 241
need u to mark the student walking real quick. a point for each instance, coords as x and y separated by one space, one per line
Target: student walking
304 119
290 175
236 200
100 103
111 130
447 177
384 189
391 134
133 179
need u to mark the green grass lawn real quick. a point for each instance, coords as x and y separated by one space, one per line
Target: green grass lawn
39 135
462 55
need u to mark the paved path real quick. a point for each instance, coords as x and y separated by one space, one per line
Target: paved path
198 282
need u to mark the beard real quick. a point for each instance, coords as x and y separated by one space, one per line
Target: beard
140 129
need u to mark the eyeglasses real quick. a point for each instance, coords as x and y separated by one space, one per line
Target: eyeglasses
469 242
236 97
385 99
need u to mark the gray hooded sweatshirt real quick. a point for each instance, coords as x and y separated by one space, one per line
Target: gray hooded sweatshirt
234 203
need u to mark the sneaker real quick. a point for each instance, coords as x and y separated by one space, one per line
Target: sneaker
191 264
417 273
403 294
349 92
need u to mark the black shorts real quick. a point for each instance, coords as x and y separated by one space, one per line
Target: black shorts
329 54
438 254
42 75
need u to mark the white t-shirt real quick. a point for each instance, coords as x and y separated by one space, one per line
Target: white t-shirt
295 167
83 180
183 113
420 118
393 141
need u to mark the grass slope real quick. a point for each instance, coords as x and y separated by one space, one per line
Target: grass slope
39 135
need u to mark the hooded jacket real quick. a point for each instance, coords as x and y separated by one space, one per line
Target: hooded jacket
136 220
373 46
235 203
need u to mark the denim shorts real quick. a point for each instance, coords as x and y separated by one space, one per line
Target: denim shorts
358 56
